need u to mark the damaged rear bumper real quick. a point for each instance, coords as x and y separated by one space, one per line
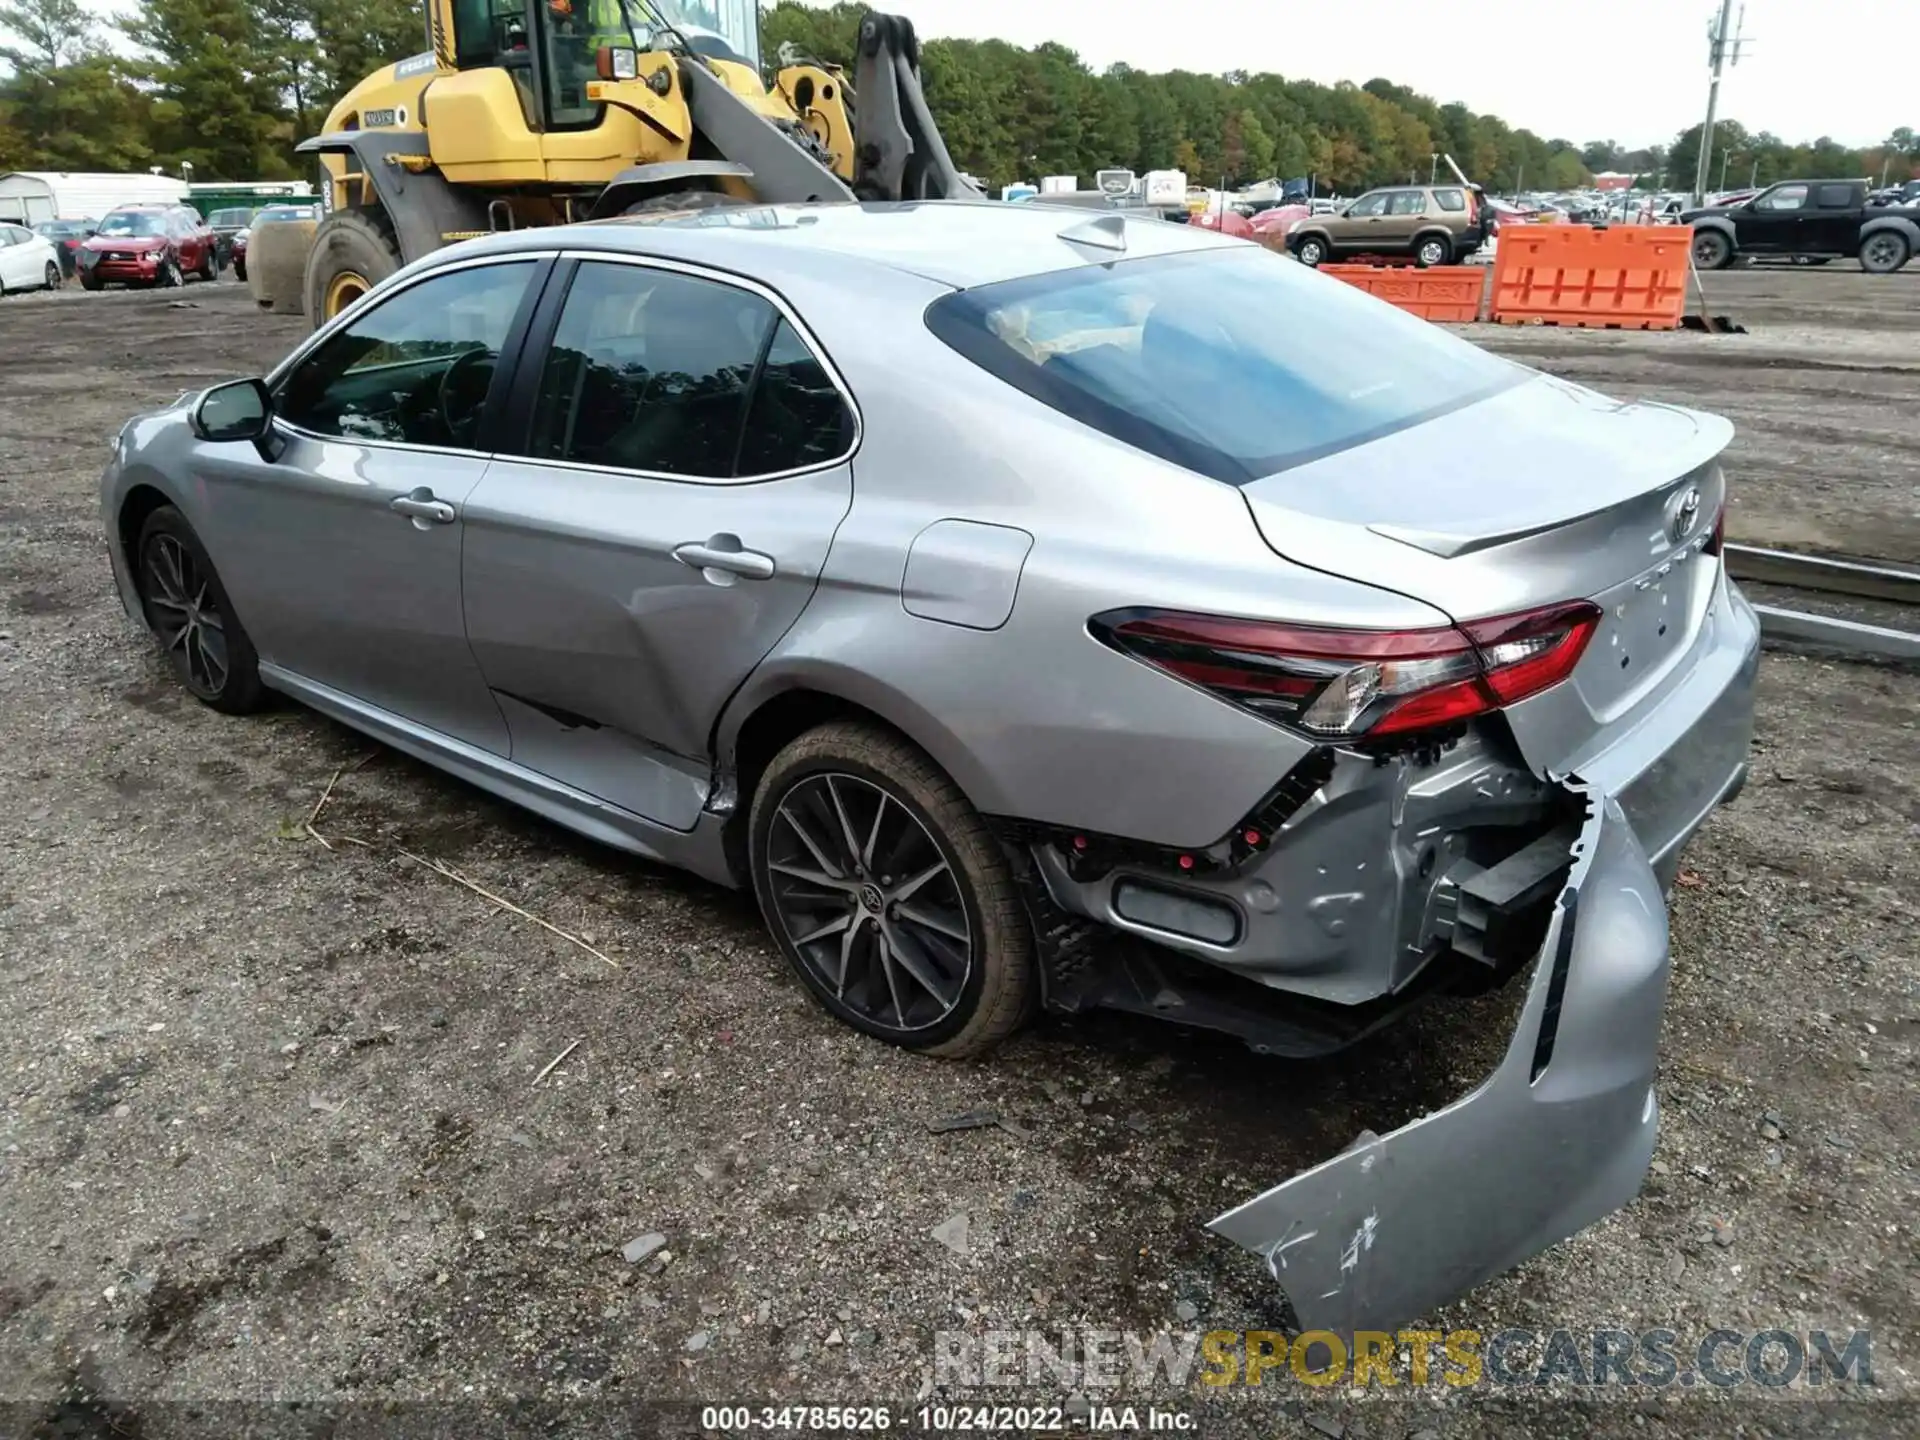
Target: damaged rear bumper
1560 1135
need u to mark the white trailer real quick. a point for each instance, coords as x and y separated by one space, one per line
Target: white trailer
30 196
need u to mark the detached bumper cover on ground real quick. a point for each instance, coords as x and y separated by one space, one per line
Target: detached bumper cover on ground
1562 1132
1559 1136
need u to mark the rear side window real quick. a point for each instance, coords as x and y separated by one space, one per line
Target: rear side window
797 417
1833 197
1235 364
1407 202
1453 201
669 374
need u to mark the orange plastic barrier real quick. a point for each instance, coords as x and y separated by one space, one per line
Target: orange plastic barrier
1627 277
1445 293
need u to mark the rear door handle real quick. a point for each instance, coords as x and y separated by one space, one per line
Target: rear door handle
420 505
723 555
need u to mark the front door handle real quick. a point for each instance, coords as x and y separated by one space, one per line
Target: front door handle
424 510
722 557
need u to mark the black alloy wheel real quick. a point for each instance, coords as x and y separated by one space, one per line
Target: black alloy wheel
189 614
887 894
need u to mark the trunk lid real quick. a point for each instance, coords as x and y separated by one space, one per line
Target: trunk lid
1541 493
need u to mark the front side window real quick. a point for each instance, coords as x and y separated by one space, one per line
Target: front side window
669 374
416 368
1374 204
1787 197
1197 358
1407 202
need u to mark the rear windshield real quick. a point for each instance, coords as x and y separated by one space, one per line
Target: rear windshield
1233 363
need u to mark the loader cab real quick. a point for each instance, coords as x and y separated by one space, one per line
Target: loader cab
550 46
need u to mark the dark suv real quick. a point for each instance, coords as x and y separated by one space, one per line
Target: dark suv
149 245
1431 224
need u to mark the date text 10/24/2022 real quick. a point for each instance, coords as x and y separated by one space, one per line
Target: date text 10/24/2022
945 1419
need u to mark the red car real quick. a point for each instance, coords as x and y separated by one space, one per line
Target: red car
149 245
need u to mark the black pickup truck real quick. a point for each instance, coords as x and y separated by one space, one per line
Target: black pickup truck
1810 220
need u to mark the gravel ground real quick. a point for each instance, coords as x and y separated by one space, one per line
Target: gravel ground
272 1121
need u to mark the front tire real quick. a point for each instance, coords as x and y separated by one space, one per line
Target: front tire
353 251
188 611
1884 253
1712 250
887 893
170 276
209 267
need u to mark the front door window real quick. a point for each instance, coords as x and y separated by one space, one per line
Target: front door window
416 369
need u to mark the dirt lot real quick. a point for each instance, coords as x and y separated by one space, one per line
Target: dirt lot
269 1126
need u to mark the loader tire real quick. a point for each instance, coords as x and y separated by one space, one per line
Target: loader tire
681 202
353 251
276 270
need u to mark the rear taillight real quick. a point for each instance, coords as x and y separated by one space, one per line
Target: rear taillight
1345 684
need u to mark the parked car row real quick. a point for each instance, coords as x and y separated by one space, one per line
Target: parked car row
136 245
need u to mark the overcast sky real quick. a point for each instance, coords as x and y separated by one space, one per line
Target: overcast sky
1628 70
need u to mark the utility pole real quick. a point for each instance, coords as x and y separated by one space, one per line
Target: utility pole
1433 170
1722 50
1725 156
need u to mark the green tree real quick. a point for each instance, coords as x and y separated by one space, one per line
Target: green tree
68 105
43 35
217 105
354 38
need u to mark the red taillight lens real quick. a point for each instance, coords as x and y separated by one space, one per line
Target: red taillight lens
1343 684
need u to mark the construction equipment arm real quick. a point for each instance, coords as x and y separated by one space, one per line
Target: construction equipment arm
898 152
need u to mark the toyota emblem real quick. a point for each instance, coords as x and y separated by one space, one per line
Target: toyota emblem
1682 512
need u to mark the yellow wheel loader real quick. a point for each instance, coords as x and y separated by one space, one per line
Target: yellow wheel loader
542 112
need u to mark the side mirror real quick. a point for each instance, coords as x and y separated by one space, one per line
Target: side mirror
238 410
616 62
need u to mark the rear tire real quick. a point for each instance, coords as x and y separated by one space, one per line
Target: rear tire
1711 250
53 277
1311 252
353 251
1884 253
1432 251
902 857
188 611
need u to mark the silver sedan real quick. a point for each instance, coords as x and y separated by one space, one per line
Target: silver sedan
1032 609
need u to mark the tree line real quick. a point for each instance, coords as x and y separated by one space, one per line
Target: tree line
230 86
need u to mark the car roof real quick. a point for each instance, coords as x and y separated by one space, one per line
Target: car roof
954 242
